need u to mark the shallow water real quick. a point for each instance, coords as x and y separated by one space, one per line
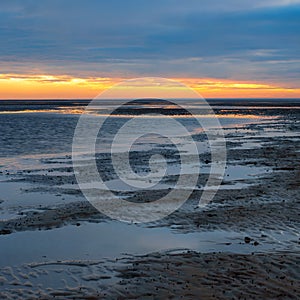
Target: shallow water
46 130
40 140
92 241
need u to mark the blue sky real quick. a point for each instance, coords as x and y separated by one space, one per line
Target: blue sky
247 40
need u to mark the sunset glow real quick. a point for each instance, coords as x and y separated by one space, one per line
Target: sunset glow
43 86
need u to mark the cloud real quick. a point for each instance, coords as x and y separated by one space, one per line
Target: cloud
250 39
44 86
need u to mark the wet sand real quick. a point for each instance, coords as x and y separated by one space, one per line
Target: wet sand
210 276
189 275
264 211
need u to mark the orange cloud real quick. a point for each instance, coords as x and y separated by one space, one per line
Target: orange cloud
43 86
15 86
217 88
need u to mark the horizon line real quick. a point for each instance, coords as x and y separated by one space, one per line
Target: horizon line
205 98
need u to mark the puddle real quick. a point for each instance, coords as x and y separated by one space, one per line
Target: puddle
97 241
16 198
238 172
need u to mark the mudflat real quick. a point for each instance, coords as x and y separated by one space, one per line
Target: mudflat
242 245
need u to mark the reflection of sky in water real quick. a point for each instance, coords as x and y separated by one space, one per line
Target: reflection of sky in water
48 131
28 137
92 241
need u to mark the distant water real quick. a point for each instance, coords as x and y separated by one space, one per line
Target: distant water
47 126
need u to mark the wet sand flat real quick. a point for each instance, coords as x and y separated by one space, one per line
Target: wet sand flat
243 245
211 276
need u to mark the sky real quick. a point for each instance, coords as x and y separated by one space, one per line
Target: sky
76 49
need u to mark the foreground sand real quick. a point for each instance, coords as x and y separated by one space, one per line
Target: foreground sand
211 276
189 275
